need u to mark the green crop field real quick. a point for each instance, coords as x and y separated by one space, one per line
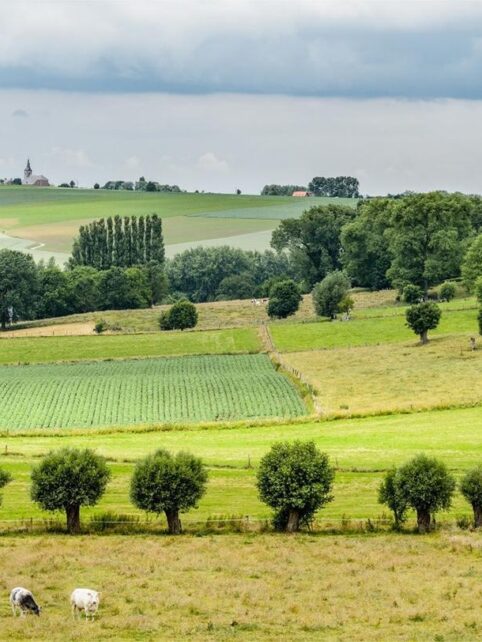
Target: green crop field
73 348
188 389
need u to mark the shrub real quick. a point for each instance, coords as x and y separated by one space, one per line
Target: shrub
101 326
412 293
423 317
284 299
68 479
180 316
447 291
295 479
5 478
471 489
388 494
425 484
329 294
163 483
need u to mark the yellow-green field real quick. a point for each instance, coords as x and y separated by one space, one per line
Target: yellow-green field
249 587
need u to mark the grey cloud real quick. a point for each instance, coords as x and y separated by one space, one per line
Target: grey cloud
19 113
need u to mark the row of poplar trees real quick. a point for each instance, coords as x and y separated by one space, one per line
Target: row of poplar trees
119 241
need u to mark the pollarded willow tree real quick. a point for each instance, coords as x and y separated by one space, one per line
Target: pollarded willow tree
295 479
68 479
471 489
163 483
423 317
5 478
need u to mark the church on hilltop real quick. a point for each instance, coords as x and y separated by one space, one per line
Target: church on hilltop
29 178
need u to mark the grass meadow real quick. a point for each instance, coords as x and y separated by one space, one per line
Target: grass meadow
361 450
27 350
249 587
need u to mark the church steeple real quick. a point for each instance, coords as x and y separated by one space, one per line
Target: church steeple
28 170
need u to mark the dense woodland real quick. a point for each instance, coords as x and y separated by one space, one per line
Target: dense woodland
420 240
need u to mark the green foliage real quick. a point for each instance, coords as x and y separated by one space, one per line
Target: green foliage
478 289
237 286
68 479
83 285
282 190
54 292
295 479
365 257
412 294
101 326
425 485
284 299
472 264
124 289
5 478
447 291
479 319
329 296
339 186
388 494
171 484
423 317
180 316
471 489
313 241
18 286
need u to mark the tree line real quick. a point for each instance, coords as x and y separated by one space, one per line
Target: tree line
295 479
119 241
331 186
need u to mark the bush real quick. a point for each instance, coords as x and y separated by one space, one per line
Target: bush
426 485
101 326
295 479
447 291
423 317
68 479
329 294
163 483
471 489
389 495
284 299
5 478
412 294
180 316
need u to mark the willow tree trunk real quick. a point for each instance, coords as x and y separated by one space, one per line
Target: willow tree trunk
293 523
173 522
423 521
424 337
477 516
73 519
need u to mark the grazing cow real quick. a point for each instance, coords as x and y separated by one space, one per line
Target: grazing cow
22 599
86 600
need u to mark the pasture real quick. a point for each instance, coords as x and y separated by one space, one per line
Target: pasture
249 587
146 391
361 450
24 350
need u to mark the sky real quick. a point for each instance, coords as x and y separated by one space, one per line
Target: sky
227 94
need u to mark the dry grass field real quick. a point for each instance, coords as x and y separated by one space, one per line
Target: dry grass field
392 377
249 587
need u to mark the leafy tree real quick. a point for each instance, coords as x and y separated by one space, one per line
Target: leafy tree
425 485
54 292
282 190
68 479
124 289
412 294
181 315
364 241
83 285
156 281
237 286
342 186
447 291
5 478
388 493
295 479
313 241
471 489
329 295
284 299
427 238
96 186
170 484
472 264
423 317
18 286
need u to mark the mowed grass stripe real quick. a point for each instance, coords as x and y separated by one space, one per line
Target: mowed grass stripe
150 391
52 349
359 332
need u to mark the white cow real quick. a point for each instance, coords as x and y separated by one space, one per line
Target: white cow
87 600
22 600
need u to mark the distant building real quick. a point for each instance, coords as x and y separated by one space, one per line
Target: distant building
29 178
302 194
